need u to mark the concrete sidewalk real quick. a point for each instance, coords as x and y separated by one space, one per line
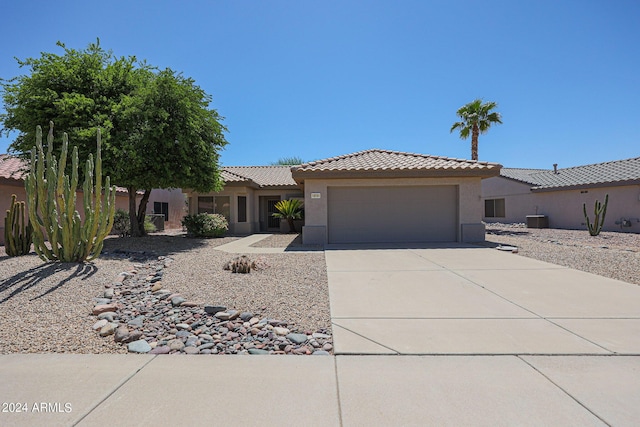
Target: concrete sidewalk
449 335
144 390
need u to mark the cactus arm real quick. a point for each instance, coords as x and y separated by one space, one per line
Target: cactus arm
17 230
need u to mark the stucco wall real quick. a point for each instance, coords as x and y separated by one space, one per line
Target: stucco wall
177 205
564 208
316 212
17 188
519 201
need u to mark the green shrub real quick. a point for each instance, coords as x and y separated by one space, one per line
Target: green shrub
122 223
149 227
206 225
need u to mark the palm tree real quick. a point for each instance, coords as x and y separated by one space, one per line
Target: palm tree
476 118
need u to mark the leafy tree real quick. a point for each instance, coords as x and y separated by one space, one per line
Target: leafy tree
476 118
158 130
288 161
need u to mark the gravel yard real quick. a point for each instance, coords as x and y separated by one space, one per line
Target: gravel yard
611 254
46 307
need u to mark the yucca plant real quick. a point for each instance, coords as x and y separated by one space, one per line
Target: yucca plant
290 210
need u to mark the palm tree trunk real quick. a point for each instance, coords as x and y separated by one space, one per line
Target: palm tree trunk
475 131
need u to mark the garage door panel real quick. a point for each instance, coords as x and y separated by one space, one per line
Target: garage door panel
392 214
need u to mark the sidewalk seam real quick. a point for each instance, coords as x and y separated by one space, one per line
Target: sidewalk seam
366 338
126 380
335 370
565 391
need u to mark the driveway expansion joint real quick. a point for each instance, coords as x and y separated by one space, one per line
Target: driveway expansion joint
112 392
575 399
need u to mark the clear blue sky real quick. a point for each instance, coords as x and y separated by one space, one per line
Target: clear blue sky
317 79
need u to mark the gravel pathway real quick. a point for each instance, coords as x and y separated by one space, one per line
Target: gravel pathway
46 307
611 254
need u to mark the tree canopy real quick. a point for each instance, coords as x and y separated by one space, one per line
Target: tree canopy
157 128
288 161
476 118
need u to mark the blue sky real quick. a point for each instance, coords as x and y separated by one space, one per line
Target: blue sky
317 79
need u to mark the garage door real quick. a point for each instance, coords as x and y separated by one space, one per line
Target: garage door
392 214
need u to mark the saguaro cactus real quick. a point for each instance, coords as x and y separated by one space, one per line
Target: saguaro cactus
600 210
52 203
17 230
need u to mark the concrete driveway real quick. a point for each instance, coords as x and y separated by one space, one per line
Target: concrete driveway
458 299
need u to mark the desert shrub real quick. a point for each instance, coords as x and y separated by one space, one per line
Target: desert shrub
121 223
149 227
205 225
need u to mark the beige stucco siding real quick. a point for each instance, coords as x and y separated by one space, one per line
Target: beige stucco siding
564 207
176 200
316 209
519 201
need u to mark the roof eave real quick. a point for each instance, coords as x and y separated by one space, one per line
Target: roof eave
299 176
587 186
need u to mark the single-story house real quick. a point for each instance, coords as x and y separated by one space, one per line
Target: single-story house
169 202
368 196
559 194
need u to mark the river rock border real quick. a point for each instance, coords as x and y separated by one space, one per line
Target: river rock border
138 311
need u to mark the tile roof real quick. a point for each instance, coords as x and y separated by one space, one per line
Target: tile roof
395 161
615 172
262 176
519 174
12 167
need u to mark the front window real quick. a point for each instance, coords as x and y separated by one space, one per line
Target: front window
215 204
494 208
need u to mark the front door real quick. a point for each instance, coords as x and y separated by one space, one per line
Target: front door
273 224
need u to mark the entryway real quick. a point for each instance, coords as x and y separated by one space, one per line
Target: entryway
267 208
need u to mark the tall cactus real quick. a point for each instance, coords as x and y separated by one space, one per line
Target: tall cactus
17 230
52 203
600 210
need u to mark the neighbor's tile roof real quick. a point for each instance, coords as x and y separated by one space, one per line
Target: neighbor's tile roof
12 167
385 160
519 174
262 176
619 171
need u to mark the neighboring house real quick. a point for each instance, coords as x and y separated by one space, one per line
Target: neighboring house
560 194
369 196
171 203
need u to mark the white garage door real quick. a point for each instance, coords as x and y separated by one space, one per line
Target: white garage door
392 214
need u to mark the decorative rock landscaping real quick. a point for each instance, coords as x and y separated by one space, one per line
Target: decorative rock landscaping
137 310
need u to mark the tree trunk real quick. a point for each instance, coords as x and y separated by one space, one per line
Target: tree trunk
475 131
133 220
137 216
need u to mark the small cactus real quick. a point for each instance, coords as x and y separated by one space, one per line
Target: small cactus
17 229
241 264
599 210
